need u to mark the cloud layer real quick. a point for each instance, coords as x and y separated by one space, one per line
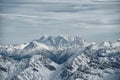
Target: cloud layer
95 21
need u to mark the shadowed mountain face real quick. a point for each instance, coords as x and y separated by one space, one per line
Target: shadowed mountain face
60 58
25 20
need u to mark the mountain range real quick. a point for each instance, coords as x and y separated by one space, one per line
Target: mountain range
60 58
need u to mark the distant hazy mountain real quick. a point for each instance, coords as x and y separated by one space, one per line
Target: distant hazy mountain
60 58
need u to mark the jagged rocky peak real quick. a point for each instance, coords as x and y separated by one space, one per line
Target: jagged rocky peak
31 45
41 60
105 44
61 40
35 44
109 44
92 45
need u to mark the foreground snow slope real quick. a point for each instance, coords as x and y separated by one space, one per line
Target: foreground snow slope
60 58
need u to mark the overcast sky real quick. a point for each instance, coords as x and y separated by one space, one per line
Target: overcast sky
24 20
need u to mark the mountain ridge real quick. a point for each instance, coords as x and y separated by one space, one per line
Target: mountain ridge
60 58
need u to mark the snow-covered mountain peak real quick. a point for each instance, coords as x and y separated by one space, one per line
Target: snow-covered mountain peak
93 46
67 37
35 44
61 40
44 37
21 46
105 44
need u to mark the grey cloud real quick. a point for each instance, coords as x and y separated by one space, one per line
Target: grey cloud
24 22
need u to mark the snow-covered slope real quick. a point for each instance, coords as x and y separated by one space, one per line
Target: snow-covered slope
60 58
